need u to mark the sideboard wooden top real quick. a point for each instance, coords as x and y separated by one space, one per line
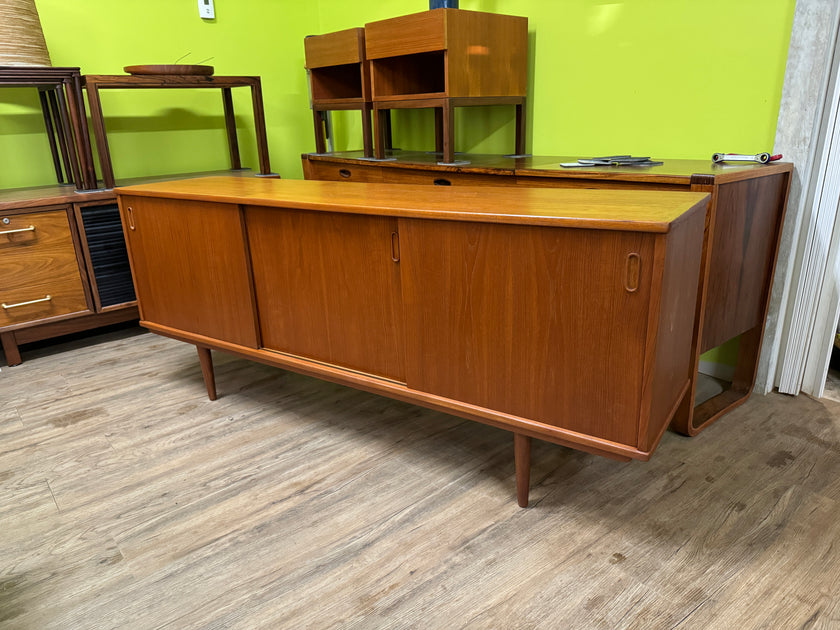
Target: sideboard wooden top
677 172
633 210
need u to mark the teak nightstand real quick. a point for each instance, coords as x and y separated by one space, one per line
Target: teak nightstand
447 58
339 78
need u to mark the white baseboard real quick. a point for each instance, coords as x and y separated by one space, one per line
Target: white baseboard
717 370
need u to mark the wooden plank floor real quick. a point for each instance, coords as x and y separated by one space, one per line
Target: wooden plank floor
128 500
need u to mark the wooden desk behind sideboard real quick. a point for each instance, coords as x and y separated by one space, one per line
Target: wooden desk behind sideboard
743 228
565 315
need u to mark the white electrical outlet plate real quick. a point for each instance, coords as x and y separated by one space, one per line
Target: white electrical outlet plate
206 10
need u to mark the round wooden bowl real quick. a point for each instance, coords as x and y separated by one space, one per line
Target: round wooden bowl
181 68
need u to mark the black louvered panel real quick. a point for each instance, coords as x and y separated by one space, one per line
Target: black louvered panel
107 254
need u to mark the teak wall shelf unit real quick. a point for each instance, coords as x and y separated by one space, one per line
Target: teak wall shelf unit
744 224
564 315
443 59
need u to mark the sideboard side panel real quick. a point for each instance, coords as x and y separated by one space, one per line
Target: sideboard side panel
531 321
743 247
672 355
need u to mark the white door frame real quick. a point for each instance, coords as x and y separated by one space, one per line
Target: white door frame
803 120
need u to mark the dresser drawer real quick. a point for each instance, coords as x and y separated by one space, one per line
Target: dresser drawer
39 272
332 172
443 178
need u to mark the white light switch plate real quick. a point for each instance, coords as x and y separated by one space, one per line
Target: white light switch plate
206 10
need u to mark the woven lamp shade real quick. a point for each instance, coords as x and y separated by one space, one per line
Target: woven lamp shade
21 38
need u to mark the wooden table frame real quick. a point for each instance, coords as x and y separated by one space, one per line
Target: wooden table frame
60 93
96 82
444 121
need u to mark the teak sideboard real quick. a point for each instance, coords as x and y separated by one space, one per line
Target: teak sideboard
743 229
563 315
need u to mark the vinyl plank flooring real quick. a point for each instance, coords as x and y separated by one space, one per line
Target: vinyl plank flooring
129 500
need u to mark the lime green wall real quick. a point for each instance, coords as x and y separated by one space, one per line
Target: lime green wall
160 131
669 78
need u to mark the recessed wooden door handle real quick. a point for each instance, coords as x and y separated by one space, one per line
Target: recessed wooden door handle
345 173
395 246
442 182
130 215
631 272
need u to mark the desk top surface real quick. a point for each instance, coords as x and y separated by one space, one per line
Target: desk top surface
677 172
632 210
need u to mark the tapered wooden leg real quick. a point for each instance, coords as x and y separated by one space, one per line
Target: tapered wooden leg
367 133
45 108
438 130
379 140
320 141
97 120
448 130
230 127
387 136
10 348
520 130
259 127
206 360
522 458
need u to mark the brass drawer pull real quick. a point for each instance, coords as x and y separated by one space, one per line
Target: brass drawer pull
43 299
31 228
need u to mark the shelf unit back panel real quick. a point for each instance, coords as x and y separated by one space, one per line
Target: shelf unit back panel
417 75
338 82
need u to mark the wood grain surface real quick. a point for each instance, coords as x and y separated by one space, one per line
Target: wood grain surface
406 35
669 374
38 263
487 54
189 263
634 210
745 239
295 503
744 222
335 49
672 172
531 321
328 289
